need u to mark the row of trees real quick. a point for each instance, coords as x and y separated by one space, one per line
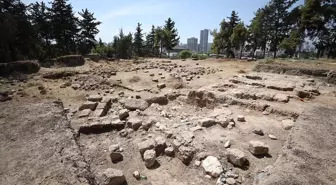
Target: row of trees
38 31
139 44
279 25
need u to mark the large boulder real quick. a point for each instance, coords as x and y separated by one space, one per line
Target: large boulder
88 105
159 99
133 104
112 176
212 166
134 123
184 153
146 145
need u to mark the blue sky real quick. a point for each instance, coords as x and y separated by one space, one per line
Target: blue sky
190 16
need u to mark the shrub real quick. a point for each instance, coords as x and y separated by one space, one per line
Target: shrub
71 60
24 66
185 54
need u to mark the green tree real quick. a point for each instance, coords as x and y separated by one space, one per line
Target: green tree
170 35
150 49
88 30
159 40
124 45
40 18
276 15
64 26
239 37
138 41
291 43
222 41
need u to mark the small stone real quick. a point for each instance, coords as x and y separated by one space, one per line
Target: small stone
113 176
212 166
133 104
169 151
123 114
161 85
88 105
151 74
84 113
114 148
241 118
123 133
149 158
227 144
258 131
155 80
287 124
197 163
265 113
272 137
232 124
207 122
258 148
208 176
95 98
231 181
116 157
136 175
134 123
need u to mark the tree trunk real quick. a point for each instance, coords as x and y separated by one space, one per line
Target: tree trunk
275 52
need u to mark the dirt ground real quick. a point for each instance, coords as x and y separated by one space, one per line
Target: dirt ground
212 89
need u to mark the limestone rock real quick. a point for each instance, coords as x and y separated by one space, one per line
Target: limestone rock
161 85
88 105
271 136
146 145
241 118
112 176
160 145
258 148
287 124
84 113
123 114
149 158
207 122
236 157
227 144
169 151
212 166
95 98
184 153
159 99
136 175
133 104
258 131
134 123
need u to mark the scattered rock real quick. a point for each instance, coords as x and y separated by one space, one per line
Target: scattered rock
161 85
116 157
136 175
113 176
281 97
95 98
84 113
258 148
123 133
169 151
159 99
160 145
88 105
207 122
241 118
155 80
230 181
123 114
287 124
227 144
197 163
236 157
184 153
272 137
134 123
212 166
258 131
118 124
146 145
133 104
149 158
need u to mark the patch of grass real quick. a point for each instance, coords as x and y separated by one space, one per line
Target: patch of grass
134 79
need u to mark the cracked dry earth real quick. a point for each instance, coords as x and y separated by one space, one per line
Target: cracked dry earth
169 123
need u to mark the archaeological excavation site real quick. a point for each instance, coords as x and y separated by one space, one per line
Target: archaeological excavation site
170 122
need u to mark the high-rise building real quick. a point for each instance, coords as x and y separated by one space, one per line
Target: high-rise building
204 41
192 44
